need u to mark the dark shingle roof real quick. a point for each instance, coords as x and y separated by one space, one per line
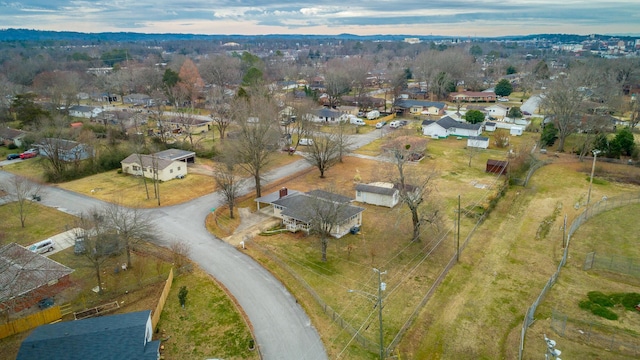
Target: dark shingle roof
329 196
8 133
480 138
111 337
376 189
302 206
447 122
407 103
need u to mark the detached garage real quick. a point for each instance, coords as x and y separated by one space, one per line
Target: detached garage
478 142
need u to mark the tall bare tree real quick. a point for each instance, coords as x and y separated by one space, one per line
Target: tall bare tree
414 185
228 181
130 224
23 192
258 136
563 103
324 152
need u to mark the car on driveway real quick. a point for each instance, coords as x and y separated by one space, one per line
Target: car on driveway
13 156
28 154
306 142
381 124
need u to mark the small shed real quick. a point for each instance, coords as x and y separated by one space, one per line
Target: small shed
489 126
497 166
516 131
478 142
381 194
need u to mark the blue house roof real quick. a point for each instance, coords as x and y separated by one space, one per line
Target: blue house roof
112 337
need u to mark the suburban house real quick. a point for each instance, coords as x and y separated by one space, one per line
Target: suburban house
298 210
420 107
65 150
153 167
11 136
138 100
497 111
449 127
478 142
122 336
28 277
473 96
326 115
378 193
87 112
189 124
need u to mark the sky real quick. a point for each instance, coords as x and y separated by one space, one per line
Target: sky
464 18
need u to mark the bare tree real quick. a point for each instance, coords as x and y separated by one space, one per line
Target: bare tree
414 185
337 81
131 224
228 181
220 105
563 102
95 241
23 191
258 136
221 70
325 214
324 152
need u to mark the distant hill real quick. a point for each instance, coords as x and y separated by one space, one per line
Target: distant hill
10 35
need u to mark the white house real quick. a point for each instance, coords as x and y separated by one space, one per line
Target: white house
497 111
153 167
478 142
449 127
86 112
381 194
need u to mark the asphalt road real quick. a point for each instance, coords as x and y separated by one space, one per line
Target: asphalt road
281 327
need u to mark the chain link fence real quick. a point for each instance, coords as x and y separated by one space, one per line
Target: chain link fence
596 335
614 263
601 206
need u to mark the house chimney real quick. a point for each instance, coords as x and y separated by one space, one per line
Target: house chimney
283 192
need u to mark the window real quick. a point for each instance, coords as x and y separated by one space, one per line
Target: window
171 171
358 193
136 168
178 168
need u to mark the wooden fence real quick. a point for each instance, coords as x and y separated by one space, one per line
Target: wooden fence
155 317
31 321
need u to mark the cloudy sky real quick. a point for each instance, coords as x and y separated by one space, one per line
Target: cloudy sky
418 17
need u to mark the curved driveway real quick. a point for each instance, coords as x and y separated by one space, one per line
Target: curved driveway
281 327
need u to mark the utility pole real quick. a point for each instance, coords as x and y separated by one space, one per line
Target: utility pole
458 233
378 301
381 287
593 168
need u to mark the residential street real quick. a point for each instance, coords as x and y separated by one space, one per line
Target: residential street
282 328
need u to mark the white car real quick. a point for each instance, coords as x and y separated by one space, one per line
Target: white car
305 142
381 124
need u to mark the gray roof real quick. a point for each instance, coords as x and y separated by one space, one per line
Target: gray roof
490 123
175 154
427 122
481 138
376 189
407 103
270 198
147 161
302 206
81 108
57 144
24 271
448 122
113 337
8 133
329 196
327 113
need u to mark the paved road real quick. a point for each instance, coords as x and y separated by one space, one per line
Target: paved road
282 329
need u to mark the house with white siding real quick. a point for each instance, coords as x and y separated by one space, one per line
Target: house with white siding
478 142
153 167
447 126
379 193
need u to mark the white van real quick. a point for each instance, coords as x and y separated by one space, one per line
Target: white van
42 246
357 121
394 124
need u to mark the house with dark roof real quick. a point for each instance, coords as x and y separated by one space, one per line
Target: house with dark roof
153 167
12 136
122 336
410 107
84 111
27 277
326 115
473 96
299 210
65 150
379 193
449 127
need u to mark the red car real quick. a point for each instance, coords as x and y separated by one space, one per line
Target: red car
28 155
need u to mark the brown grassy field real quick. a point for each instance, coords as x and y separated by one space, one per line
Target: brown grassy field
37 225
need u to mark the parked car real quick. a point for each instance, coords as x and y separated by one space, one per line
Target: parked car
28 154
13 156
381 124
42 247
403 122
526 113
306 142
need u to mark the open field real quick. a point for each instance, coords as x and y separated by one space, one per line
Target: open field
37 225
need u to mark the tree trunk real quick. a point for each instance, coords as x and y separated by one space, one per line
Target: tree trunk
416 225
258 190
99 279
231 211
561 139
128 249
324 241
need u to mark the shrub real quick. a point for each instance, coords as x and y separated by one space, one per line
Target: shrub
601 299
629 300
603 312
585 305
12 146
